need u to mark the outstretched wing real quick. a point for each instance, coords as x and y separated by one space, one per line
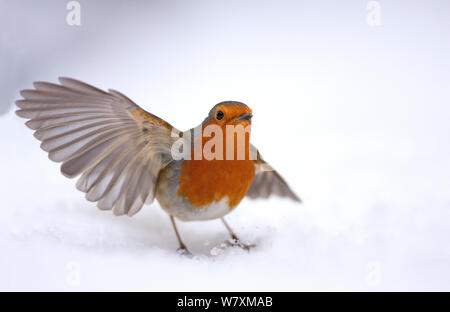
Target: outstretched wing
267 181
116 146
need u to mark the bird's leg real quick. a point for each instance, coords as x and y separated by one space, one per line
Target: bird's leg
182 249
235 241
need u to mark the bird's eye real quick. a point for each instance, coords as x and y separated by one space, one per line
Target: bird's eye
219 115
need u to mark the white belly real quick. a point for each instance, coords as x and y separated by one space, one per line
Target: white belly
183 210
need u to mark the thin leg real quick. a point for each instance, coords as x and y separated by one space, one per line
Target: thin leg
233 236
236 241
182 248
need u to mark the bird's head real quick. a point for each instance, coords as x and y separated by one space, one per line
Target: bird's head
229 113
226 132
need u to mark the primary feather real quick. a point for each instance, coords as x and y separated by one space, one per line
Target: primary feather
116 146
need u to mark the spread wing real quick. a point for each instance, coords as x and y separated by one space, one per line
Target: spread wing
116 146
267 181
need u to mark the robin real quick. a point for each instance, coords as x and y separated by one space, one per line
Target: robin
127 156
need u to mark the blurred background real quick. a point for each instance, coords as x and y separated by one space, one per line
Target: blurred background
351 105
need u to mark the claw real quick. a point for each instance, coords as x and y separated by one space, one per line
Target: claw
184 252
234 242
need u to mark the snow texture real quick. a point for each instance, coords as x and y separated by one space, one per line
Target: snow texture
355 117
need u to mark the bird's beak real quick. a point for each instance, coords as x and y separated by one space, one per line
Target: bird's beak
244 117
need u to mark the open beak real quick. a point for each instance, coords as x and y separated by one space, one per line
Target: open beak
244 117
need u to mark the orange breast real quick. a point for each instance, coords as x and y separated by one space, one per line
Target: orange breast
203 181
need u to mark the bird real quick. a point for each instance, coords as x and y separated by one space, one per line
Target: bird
126 157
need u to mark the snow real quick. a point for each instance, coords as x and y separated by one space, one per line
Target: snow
53 239
354 117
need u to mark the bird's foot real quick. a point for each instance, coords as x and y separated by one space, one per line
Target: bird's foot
235 242
184 252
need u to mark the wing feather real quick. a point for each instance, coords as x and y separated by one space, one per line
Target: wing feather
268 182
116 146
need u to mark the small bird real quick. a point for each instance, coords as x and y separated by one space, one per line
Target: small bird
127 156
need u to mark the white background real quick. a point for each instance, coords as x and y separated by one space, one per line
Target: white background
354 116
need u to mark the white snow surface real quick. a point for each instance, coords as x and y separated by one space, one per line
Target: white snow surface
354 234
354 117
